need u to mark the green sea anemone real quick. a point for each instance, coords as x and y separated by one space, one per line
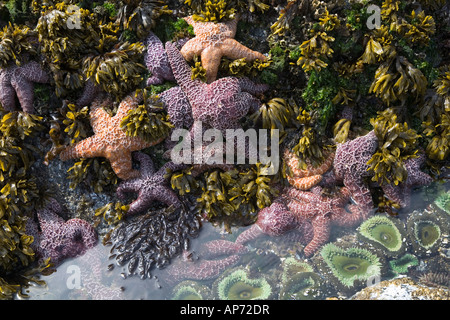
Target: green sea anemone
402 264
443 202
384 233
425 231
352 264
189 290
236 285
299 281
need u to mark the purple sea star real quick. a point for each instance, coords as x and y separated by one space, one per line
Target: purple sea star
219 105
150 186
350 167
19 80
90 92
59 239
156 61
209 265
178 108
401 193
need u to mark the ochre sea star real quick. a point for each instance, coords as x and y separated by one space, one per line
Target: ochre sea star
109 140
304 179
19 80
212 41
150 186
310 213
218 105
210 263
156 61
350 167
59 239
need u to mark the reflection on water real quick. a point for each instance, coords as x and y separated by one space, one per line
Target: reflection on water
412 247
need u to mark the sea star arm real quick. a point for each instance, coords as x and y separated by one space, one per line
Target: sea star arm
25 93
89 93
122 165
86 148
33 72
193 47
249 86
211 57
304 183
147 167
235 50
129 103
7 92
98 115
321 227
48 219
128 186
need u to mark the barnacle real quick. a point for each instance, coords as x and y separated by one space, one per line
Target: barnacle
396 143
150 126
139 15
15 41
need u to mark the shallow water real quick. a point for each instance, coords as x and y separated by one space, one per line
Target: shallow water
96 276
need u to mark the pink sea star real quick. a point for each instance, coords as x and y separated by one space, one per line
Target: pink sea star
214 40
19 80
150 186
59 239
310 213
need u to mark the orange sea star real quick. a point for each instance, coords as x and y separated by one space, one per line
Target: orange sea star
212 41
304 179
109 140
